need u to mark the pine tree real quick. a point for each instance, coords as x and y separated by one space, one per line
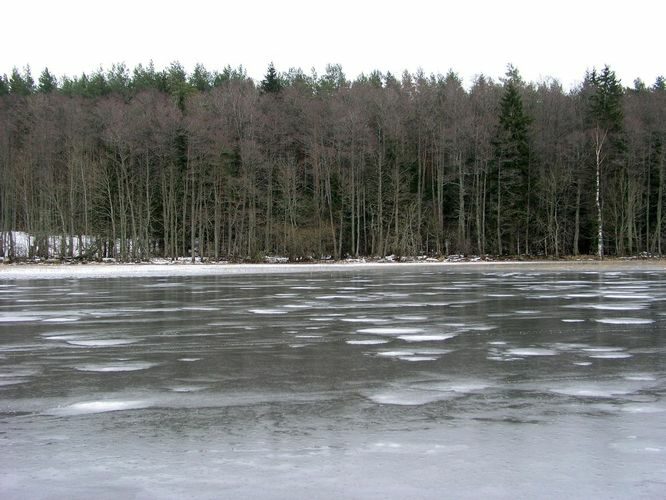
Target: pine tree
512 157
271 83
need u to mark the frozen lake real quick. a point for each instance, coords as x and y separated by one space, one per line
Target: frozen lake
415 382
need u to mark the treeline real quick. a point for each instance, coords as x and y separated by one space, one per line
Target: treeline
165 163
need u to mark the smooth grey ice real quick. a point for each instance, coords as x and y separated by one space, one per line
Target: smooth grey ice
396 383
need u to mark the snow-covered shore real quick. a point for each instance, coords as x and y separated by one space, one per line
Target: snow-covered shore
111 270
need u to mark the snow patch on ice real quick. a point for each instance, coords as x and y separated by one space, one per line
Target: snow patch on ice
102 342
16 318
532 351
391 331
68 319
426 338
99 407
590 391
625 321
188 388
268 311
367 342
128 366
610 355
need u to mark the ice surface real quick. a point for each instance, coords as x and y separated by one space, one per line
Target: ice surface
233 406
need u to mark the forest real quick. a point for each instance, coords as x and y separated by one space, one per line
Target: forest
132 164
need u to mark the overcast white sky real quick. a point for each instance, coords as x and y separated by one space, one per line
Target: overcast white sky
560 38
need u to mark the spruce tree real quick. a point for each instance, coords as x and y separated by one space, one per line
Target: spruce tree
605 114
47 82
512 157
21 84
4 85
201 79
271 83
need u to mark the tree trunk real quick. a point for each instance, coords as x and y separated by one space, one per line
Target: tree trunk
598 146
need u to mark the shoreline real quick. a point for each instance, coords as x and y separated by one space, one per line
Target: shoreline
35 271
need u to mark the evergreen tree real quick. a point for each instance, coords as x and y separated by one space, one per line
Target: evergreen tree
271 83
333 79
176 83
21 84
605 105
229 74
47 82
144 78
118 79
4 85
605 114
97 84
512 159
201 79
659 83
